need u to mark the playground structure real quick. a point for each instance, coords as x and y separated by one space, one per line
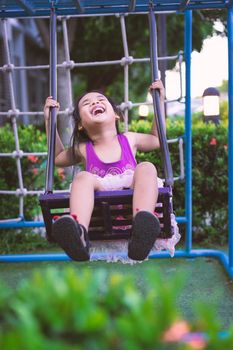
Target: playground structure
123 7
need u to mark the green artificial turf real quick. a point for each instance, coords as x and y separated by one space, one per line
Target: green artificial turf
205 280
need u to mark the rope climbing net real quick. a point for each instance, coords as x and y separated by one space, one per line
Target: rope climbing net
14 113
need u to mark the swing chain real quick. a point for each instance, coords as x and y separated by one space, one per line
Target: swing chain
53 4
151 4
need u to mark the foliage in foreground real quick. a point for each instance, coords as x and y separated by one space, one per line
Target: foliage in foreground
71 309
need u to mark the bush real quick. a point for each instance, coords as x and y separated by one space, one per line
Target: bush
31 139
23 240
210 183
66 309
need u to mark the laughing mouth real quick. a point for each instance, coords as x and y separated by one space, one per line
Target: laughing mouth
98 110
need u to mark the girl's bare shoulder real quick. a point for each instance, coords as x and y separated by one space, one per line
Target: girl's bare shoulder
131 137
81 150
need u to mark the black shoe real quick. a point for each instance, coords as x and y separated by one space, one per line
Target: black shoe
67 232
145 230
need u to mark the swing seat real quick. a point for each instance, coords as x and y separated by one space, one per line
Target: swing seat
112 214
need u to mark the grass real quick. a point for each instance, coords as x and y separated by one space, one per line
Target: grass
204 280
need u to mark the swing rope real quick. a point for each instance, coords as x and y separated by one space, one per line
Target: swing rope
53 93
156 100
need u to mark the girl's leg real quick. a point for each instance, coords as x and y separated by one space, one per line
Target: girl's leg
145 188
82 197
146 226
69 233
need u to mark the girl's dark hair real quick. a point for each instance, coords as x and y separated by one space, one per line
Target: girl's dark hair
80 134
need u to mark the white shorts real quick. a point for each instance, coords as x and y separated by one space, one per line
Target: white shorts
120 181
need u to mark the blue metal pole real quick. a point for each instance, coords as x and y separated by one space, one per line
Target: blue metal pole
230 133
21 224
188 130
221 256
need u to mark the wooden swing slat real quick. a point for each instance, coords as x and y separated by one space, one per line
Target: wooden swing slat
112 216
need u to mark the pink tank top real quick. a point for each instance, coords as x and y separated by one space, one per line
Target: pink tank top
96 166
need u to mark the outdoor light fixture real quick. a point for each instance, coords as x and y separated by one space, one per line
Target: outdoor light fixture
211 110
143 111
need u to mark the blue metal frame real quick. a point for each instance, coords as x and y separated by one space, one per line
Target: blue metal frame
28 8
188 130
222 257
230 133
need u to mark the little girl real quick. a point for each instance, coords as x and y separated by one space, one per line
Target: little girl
110 164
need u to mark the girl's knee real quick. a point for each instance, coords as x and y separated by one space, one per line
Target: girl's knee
147 168
83 176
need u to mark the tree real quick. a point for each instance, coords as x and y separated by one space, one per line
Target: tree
100 39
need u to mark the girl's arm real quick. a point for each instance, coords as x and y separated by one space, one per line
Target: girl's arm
158 85
149 142
63 157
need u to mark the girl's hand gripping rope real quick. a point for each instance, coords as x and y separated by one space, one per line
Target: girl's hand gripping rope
158 85
49 103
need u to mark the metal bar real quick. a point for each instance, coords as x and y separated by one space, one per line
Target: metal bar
197 253
10 112
126 97
44 15
180 60
183 4
230 134
132 4
168 7
25 5
126 70
79 6
8 64
188 130
67 57
181 219
26 192
19 223
13 106
25 67
87 64
53 93
156 102
16 258
229 3
22 154
181 157
124 36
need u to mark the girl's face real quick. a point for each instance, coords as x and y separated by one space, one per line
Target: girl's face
94 108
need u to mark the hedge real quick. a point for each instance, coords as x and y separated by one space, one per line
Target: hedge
31 139
209 176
